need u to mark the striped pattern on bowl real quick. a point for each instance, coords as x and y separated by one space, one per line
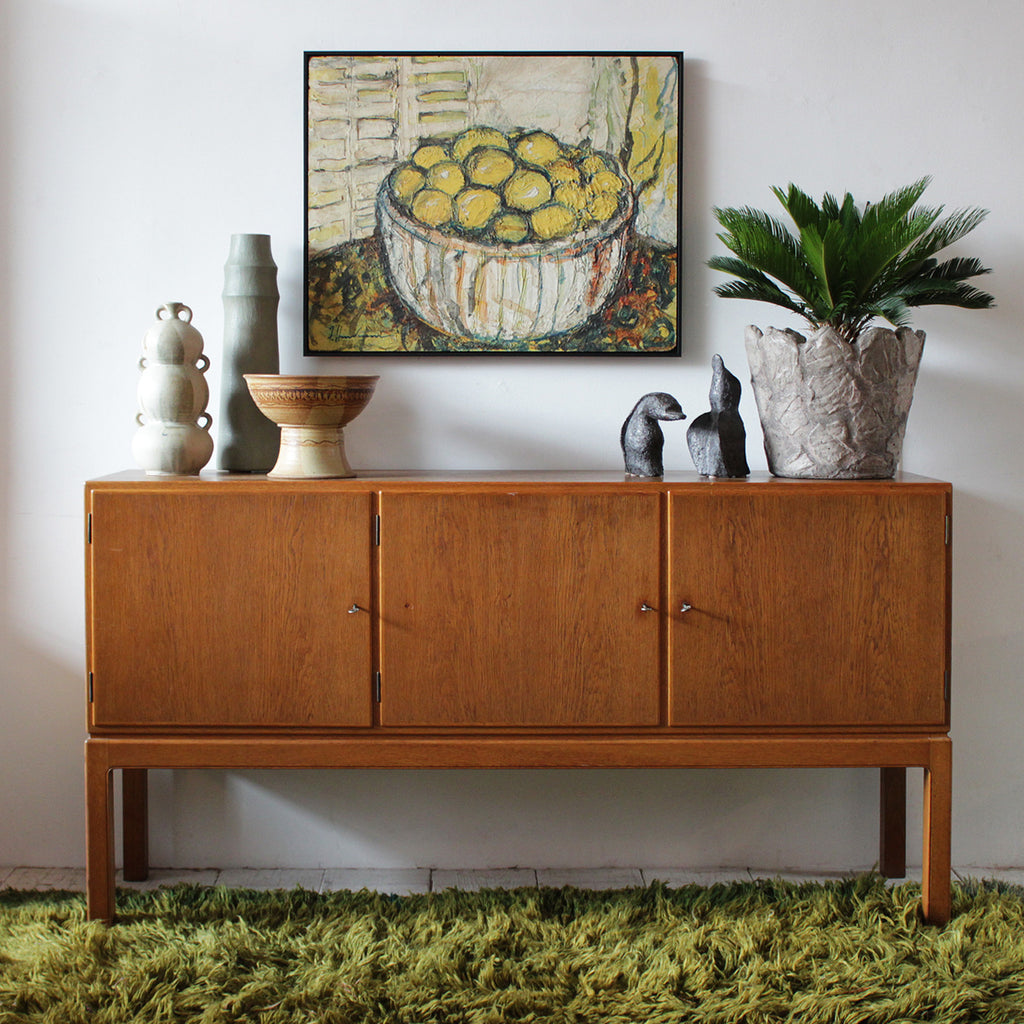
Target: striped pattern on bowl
498 292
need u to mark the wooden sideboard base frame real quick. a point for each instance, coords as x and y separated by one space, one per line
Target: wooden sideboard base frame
891 752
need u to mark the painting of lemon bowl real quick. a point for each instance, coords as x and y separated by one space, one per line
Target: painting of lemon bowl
504 237
493 204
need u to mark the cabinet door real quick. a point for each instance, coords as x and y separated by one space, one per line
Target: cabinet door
213 607
520 609
808 606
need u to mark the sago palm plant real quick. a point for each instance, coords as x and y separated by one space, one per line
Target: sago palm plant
845 266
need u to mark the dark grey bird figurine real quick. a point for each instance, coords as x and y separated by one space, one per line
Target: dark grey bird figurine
716 439
641 438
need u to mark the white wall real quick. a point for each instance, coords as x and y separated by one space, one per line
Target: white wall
136 137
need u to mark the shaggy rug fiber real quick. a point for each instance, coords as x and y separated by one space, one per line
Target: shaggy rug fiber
851 952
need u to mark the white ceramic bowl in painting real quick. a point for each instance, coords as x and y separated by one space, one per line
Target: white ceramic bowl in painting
495 292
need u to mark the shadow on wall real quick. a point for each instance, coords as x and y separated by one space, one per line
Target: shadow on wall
535 818
6 263
696 216
980 421
986 733
966 425
27 691
393 433
42 796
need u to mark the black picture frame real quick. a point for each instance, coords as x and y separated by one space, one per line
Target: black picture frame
493 203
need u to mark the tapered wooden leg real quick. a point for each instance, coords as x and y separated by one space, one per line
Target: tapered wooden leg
938 798
135 823
892 848
99 833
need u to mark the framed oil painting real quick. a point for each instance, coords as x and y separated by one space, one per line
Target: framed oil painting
493 203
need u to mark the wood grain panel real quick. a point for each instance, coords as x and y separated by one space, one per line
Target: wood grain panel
938 799
824 608
573 748
230 608
504 609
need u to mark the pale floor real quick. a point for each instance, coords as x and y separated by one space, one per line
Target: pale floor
417 880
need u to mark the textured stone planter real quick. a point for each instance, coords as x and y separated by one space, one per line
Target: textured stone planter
829 409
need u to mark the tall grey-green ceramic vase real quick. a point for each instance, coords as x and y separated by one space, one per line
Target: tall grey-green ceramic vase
247 441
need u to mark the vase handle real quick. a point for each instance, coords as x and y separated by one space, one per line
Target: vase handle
174 310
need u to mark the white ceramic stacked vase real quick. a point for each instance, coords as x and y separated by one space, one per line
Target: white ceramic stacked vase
173 438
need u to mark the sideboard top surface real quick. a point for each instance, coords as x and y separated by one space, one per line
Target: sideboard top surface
396 479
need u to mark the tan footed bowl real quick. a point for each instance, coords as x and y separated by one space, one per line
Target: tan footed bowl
311 412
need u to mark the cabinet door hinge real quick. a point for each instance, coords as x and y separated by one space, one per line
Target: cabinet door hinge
376 687
90 687
376 530
949 530
947 688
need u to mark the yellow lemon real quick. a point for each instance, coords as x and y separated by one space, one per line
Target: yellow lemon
427 156
553 221
474 208
474 138
593 164
432 207
490 166
511 227
563 171
406 181
538 148
606 181
446 176
603 206
526 190
572 195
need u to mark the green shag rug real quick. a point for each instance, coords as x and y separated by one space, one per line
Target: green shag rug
749 953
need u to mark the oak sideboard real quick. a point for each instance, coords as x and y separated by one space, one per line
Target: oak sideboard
517 620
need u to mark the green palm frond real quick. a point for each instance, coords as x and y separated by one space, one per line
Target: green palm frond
947 293
845 267
765 244
945 233
752 284
896 205
959 268
892 308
